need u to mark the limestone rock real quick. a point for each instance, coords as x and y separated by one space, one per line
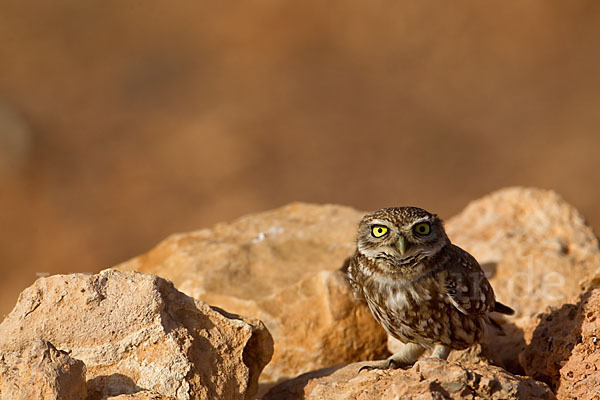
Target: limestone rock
537 251
536 247
427 379
37 370
141 395
281 267
564 348
136 331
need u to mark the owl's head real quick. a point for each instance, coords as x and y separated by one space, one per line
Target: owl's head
400 235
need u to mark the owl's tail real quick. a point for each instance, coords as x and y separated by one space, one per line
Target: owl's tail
502 309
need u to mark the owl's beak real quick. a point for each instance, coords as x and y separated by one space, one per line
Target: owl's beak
402 245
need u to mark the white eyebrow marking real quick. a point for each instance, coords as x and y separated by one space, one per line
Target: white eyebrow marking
428 219
379 222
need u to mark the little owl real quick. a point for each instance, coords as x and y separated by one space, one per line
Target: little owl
422 289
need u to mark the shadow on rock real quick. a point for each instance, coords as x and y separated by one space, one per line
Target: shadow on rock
501 347
552 342
110 385
294 388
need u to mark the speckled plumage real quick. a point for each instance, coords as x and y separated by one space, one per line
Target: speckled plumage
420 287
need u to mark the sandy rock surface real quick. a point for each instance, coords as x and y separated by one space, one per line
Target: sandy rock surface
136 331
281 267
564 348
537 251
427 379
537 248
37 370
141 395
140 338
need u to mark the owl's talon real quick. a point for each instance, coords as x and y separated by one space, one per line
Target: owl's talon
385 365
381 365
366 368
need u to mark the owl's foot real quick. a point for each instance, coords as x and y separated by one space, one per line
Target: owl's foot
384 365
381 365
405 358
441 351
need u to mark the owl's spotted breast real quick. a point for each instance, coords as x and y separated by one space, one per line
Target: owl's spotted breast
420 287
418 310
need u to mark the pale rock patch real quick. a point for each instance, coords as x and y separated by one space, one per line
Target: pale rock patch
280 266
136 332
537 251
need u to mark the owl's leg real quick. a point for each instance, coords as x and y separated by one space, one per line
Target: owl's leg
441 351
406 357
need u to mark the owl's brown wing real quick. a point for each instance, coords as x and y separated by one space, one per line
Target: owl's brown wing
354 276
466 285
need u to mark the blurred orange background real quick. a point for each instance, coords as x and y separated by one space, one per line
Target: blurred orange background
124 122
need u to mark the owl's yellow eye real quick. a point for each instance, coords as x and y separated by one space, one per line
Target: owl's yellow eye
379 230
422 229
